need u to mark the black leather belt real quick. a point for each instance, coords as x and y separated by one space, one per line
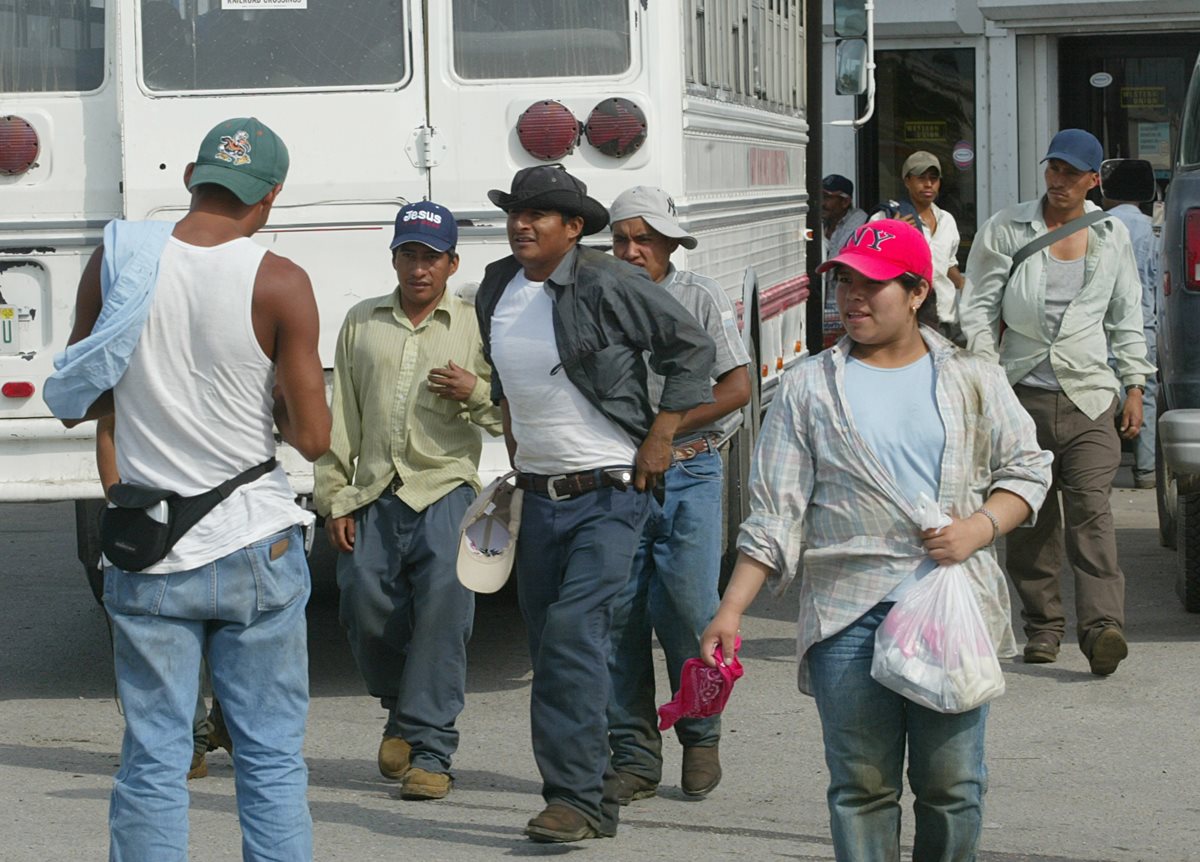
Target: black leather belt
397 484
691 449
567 485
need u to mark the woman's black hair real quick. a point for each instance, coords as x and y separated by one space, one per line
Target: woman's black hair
927 313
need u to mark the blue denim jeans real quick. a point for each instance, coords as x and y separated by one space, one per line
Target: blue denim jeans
246 613
672 593
573 559
409 619
1143 445
866 728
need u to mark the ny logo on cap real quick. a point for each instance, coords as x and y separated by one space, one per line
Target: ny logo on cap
872 237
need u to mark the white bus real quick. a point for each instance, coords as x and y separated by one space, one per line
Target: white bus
102 103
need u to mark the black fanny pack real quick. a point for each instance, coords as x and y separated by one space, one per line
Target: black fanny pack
141 524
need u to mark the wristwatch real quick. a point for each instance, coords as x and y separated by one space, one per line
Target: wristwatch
1139 387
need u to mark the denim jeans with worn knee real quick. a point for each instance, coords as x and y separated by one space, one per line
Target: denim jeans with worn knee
573 558
866 728
672 593
244 611
409 619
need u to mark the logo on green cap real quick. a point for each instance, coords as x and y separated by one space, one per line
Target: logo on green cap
235 150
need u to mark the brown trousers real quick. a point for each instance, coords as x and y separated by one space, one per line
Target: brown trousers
1087 454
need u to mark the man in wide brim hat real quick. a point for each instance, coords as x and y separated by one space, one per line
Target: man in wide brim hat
550 187
569 332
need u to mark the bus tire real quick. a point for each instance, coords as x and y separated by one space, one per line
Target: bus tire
87 543
737 475
1166 493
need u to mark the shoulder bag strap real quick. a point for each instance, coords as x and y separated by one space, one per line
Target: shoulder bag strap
1045 240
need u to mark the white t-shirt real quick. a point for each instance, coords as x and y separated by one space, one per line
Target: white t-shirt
556 428
943 247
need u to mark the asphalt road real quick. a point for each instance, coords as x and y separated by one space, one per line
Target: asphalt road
1081 768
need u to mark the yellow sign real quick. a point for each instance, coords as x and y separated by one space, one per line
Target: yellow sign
924 130
7 312
1143 97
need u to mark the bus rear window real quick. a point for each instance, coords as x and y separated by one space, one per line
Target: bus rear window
540 38
198 45
51 47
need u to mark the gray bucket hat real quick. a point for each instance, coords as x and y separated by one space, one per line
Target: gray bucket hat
656 207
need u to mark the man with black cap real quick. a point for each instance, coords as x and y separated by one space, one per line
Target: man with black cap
568 331
226 352
672 591
1061 276
409 379
839 219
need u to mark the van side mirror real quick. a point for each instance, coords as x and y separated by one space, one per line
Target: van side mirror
1129 180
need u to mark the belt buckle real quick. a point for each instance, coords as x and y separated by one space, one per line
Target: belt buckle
553 494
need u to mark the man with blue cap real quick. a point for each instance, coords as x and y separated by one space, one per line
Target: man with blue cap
410 383
1060 275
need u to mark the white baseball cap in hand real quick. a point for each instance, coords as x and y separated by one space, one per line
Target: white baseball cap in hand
487 540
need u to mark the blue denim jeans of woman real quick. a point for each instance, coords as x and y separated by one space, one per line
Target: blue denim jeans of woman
866 728
573 558
672 593
245 612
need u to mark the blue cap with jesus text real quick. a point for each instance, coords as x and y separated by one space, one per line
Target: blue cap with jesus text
1077 148
427 223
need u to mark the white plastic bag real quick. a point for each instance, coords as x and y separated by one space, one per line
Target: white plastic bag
933 646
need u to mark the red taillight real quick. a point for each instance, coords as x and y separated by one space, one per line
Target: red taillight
1191 250
17 390
19 146
616 127
548 130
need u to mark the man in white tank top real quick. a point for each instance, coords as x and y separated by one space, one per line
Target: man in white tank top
227 352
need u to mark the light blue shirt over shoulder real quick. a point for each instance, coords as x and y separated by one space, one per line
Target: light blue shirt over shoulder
87 369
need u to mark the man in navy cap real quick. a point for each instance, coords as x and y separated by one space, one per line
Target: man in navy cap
1062 305
570 332
840 218
409 381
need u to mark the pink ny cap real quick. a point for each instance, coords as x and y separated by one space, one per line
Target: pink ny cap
883 250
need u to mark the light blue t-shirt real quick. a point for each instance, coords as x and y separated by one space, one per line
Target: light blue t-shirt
895 411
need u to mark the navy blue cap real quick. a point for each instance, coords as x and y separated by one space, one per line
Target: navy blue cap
1077 148
838 184
427 223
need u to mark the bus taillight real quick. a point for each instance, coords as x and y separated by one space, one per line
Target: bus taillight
548 130
616 127
19 145
13 389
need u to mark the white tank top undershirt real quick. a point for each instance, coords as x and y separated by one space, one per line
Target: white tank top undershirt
194 407
556 428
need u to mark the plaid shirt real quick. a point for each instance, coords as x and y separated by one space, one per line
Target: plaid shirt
818 492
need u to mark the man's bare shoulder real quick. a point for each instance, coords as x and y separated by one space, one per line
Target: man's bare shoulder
277 272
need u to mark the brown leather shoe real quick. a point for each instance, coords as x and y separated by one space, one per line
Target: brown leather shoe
1042 648
631 787
701 770
420 783
559 824
394 754
1108 650
198 769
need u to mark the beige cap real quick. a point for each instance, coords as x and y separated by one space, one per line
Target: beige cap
487 542
919 162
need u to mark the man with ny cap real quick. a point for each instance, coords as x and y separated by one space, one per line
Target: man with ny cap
568 331
672 590
226 352
410 383
1063 306
839 219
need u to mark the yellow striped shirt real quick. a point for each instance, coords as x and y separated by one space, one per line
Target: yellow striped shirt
387 423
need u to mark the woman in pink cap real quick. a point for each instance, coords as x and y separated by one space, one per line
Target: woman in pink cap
851 440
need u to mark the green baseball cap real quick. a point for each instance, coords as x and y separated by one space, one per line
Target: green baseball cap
244 156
